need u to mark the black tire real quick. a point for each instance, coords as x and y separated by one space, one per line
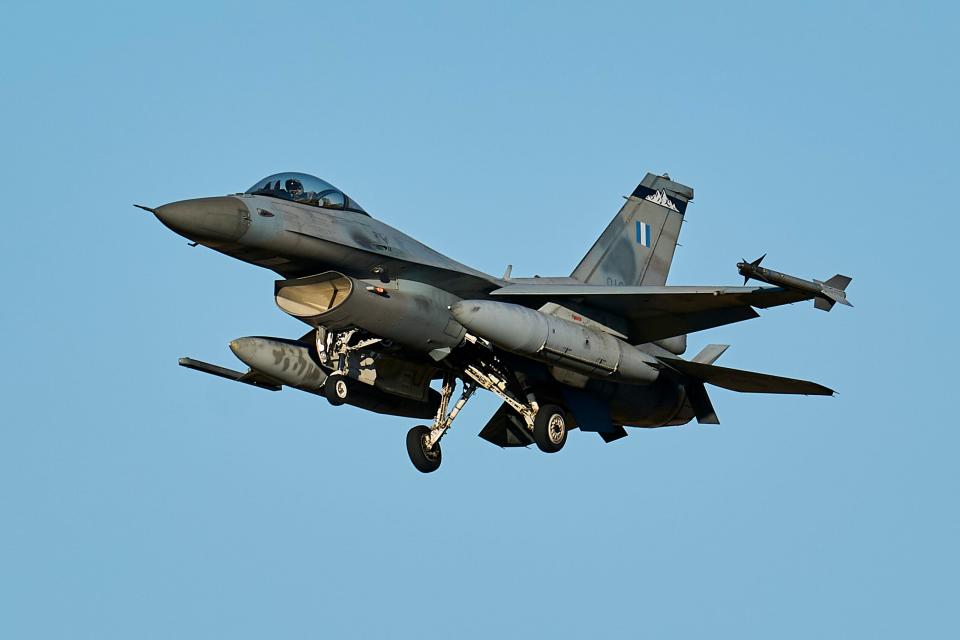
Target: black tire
550 428
424 460
336 389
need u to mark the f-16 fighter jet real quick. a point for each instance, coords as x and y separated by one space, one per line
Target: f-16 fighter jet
598 350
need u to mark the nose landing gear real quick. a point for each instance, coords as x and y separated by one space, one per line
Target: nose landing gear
423 443
423 457
337 389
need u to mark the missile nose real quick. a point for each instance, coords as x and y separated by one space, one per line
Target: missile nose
225 218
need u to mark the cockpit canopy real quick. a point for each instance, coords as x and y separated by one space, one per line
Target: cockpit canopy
302 187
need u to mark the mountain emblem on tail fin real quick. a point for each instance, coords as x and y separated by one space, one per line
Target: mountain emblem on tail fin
660 197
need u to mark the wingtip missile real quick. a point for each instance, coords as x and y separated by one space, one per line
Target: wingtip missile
825 294
744 267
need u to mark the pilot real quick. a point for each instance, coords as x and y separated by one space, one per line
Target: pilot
294 188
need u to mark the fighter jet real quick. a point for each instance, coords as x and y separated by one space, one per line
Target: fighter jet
396 327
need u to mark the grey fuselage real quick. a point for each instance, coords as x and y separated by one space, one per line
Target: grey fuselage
296 240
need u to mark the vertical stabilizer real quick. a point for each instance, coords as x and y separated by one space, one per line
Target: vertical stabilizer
637 246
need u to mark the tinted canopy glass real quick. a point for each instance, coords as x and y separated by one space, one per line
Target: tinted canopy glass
302 187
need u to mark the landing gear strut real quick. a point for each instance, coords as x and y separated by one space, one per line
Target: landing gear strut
547 423
423 443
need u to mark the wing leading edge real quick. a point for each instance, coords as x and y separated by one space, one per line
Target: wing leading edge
656 313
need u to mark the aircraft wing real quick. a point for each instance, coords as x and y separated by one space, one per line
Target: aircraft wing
655 313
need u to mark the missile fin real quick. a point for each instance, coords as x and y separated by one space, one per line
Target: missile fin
755 263
839 282
832 291
823 304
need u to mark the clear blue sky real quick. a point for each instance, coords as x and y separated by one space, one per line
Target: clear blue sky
142 500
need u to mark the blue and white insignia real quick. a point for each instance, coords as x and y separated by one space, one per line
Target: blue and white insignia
660 197
643 234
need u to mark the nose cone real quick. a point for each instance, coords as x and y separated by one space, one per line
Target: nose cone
223 219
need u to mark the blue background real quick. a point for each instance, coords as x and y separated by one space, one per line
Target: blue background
142 500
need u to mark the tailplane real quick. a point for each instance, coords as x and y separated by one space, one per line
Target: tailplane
637 247
743 381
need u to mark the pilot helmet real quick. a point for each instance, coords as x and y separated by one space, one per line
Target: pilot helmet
294 186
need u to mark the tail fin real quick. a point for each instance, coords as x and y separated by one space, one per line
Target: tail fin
834 290
637 246
839 282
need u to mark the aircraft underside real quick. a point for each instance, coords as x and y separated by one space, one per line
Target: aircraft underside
598 350
355 367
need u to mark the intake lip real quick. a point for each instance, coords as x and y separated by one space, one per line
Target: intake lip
312 297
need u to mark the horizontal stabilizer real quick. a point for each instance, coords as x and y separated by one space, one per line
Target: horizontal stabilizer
823 304
744 381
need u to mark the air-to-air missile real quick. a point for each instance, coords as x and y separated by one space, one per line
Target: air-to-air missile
556 341
826 293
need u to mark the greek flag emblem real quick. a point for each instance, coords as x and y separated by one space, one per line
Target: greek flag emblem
643 234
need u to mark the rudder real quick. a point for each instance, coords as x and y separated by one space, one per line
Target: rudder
637 246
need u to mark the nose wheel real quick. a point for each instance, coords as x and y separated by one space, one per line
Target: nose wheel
336 389
423 443
424 457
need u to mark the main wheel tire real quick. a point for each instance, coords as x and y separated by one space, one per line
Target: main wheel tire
425 460
336 389
550 428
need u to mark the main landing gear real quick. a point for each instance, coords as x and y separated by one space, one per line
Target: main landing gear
547 424
423 443
550 428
